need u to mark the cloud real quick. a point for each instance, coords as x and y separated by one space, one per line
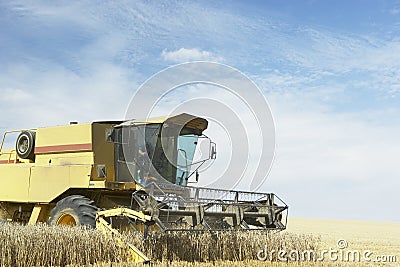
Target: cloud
395 8
60 96
193 54
394 11
331 162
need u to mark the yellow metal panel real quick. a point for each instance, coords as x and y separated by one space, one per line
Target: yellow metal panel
135 254
65 159
97 184
133 214
40 213
14 182
103 151
64 135
80 176
49 182
35 215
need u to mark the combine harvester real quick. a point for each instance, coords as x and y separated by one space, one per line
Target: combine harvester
124 174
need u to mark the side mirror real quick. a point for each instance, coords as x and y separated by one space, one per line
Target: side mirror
213 154
197 178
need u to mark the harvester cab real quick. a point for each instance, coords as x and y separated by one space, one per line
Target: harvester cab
160 152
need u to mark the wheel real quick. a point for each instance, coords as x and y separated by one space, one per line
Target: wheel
25 145
74 210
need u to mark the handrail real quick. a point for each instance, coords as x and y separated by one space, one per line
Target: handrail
13 131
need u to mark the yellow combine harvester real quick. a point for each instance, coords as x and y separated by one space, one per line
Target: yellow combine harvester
124 173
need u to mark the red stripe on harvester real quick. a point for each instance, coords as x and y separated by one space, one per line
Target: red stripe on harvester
6 161
63 148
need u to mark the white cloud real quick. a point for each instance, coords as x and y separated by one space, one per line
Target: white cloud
395 8
334 163
394 11
33 99
185 55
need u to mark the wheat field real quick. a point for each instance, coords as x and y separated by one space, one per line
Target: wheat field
381 238
42 245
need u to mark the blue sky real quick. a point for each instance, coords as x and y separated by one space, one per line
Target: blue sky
329 69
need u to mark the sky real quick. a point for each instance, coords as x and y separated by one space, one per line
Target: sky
330 71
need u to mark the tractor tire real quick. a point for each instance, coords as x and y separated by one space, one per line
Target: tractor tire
75 210
25 145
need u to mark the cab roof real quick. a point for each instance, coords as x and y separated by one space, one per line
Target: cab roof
182 119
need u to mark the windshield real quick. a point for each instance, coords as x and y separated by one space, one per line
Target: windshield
133 151
186 149
143 154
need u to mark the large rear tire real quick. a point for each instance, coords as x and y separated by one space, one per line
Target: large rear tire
75 210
